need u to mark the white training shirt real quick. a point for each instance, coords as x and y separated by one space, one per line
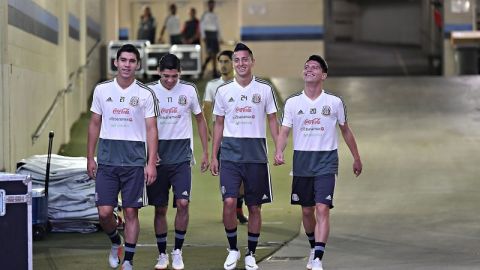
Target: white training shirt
211 89
172 25
245 110
123 129
175 132
315 139
209 22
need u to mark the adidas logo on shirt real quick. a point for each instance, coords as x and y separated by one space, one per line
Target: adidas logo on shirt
231 99
109 99
265 197
300 112
329 197
185 193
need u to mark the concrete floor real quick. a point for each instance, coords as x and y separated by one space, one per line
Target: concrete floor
416 205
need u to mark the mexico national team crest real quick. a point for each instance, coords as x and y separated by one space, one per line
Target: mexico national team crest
134 101
256 98
326 110
182 100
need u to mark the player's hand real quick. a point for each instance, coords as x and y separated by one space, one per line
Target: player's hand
150 172
92 168
205 164
357 167
279 159
214 166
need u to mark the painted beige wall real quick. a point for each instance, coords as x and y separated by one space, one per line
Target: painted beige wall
37 71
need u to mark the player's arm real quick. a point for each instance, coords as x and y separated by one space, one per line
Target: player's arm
273 124
202 132
93 134
281 144
217 138
152 148
352 145
207 111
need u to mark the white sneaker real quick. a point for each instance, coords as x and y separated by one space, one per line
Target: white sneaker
310 259
250 262
177 260
114 256
162 262
127 265
232 258
317 264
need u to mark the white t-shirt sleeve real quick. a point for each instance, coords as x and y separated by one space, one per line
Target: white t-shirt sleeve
96 102
151 106
209 92
195 104
271 104
341 114
287 120
219 108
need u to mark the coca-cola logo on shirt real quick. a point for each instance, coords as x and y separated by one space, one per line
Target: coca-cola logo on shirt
169 110
121 111
246 109
314 121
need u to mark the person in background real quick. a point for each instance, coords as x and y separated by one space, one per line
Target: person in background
210 34
313 115
172 26
191 29
124 122
148 26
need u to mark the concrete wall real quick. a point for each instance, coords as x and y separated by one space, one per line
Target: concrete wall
43 47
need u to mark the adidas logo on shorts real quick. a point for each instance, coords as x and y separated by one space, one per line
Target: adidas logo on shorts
185 193
265 197
329 197
295 198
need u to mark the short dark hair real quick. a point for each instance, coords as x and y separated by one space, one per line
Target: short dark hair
211 1
320 60
130 49
169 61
242 47
227 53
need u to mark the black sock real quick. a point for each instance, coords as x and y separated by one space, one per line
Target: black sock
115 237
179 238
319 250
239 202
311 239
162 243
129 252
232 238
252 242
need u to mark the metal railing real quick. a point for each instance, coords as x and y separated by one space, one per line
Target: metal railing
60 94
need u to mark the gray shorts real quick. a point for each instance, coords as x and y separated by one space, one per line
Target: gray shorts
255 177
110 180
178 176
308 191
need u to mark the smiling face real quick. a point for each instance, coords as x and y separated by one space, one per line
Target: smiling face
243 63
169 78
127 63
312 72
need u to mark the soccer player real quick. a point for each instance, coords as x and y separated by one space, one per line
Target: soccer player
313 114
178 100
123 118
225 65
241 106
210 34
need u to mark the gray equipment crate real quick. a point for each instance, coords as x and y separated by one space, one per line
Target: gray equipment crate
153 53
190 58
113 47
15 221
